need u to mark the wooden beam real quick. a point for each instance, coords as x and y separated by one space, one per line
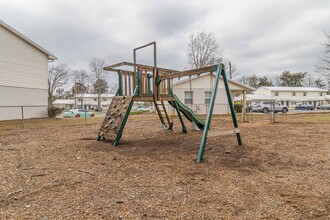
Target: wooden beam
141 66
154 42
188 72
124 72
144 98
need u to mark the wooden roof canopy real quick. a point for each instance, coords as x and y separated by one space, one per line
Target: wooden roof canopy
164 73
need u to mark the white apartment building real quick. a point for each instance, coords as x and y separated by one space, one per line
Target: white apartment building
87 100
292 96
23 74
196 93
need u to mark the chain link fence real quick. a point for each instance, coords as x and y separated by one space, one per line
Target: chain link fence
16 117
13 117
223 109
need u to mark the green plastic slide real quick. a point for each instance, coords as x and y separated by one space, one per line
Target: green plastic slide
188 113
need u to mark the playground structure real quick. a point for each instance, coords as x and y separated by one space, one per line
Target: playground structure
154 84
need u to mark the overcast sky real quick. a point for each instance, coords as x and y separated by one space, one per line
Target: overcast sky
261 37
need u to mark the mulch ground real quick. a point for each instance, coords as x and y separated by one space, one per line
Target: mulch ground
281 172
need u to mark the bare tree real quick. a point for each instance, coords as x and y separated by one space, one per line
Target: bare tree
96 66
80 79
309 80
243 79
57 77
275 79
230 67
203 50
323 65
113 87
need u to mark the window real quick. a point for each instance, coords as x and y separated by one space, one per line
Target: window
95 99
207 97
276 93
105 99
293 93
188 97
305 93
321 94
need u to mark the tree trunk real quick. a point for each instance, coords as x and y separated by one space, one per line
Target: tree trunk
99 99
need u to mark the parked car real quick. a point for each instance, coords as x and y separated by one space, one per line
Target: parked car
324 107
97 109
77 113
305 107
143 108
267 106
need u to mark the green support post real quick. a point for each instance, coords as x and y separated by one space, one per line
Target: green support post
136 92
158 80
231 106
184 129
209 114
120 83
117 93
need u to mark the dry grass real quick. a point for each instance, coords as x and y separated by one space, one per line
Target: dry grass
48 122
280 172
59 122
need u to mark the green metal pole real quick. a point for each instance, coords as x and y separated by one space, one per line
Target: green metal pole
209 114
120 83
231 106
184 129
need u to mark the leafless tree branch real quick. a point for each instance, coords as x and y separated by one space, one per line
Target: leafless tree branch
96 66
57 77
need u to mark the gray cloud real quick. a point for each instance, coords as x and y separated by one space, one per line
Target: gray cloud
259 37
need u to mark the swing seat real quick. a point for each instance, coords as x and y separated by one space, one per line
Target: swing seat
215 133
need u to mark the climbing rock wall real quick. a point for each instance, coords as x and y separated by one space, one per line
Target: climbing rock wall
114 117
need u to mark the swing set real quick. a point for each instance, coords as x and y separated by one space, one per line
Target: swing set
154 84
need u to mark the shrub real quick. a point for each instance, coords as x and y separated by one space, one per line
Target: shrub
53 111
136 112
238 108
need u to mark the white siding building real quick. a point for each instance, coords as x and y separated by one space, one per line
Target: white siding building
198 98
292 96
88 100
23 72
